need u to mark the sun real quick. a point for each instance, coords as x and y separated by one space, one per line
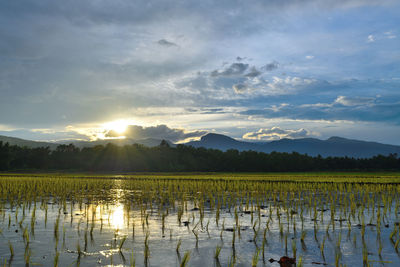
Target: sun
118 126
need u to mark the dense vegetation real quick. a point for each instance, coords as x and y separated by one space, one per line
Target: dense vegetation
180 158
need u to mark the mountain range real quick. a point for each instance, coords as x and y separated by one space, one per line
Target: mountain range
150 142
334 146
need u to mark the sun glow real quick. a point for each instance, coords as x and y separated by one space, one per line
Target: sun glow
118 126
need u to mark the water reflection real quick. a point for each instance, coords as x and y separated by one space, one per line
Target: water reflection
110 214
117 212
117 217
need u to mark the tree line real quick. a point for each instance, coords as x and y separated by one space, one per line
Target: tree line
163 158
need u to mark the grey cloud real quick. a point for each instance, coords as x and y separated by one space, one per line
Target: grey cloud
126 11
206 110
235 69
92 60
157 132
253 72
276 133
377 112
270 66
239 88
166 43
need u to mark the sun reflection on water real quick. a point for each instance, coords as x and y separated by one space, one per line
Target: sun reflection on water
117 212
117 217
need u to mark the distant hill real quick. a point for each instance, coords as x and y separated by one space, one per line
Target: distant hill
150 142
334 146
26 143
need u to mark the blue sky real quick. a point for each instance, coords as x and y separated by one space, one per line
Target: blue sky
254 70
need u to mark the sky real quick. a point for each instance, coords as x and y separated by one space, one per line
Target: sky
255 70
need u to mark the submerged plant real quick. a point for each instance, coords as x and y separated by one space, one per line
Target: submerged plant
11 249
121 243
56 259
255 258
185 259
217 251
178 245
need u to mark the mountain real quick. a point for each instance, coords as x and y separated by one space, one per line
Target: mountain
334 146
150 142
26 143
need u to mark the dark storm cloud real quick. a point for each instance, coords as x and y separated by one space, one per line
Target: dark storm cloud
157 132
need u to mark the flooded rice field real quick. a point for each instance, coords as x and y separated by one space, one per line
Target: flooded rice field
71 221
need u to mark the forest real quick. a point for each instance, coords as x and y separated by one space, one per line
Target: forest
164 158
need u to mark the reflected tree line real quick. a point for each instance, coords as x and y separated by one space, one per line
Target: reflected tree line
180 158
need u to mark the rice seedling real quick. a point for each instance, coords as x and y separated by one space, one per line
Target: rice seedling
294 248
85 240
241 206
185 259
78 249
196 234
121 243
10 246
132 260
217 251
232 261
300 262
303 236
321 247
255 258
178 245
56 257
27 257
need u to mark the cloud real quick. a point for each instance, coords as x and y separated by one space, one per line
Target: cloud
239 88
235 69
271 66
276 133
97 61
389 35
253 72
289 84
157 132
166 43
354 109
354 101
371 38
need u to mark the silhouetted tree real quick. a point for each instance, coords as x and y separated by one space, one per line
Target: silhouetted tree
180 158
